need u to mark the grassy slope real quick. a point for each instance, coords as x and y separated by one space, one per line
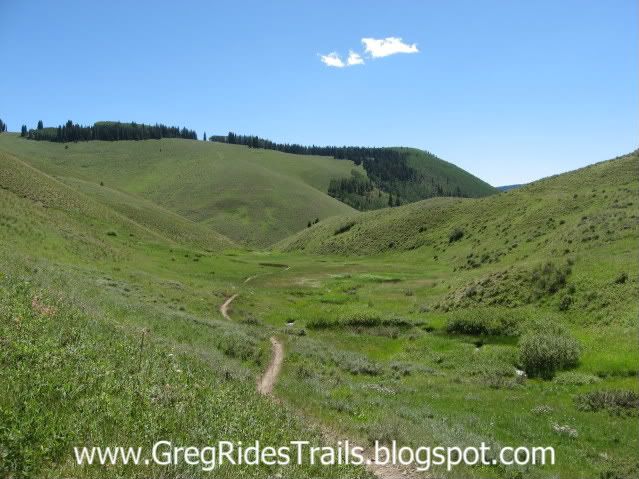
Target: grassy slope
524 216
422 384
114 339
255 197
444 173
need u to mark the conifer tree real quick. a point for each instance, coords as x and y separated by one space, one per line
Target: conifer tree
40 125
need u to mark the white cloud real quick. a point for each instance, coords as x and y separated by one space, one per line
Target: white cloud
332 60
354 58
374 47
384 47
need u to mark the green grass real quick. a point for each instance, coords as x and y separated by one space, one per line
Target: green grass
254 197
418 341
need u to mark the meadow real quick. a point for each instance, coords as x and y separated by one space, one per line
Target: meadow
509 319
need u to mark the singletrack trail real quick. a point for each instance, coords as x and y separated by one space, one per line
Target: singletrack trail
267 381
269 378
224 307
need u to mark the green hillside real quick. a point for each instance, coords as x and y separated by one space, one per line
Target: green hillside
110 335
254 197
568 211
464 303
433 170
404 174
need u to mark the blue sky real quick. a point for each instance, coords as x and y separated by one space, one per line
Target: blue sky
509 90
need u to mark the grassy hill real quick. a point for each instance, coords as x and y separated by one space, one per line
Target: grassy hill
254 197
406 174
433 170
557 212
450 297
110 334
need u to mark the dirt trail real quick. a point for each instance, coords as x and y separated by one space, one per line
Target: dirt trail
265 387
224 307
267 381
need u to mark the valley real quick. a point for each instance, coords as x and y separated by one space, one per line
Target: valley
149 285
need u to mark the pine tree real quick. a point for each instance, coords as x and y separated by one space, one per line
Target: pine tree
23 131
204 136
40 125
390 199
3 126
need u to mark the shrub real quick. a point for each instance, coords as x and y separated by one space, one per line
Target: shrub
544 326
542 354
622 278
344 228
321 323
612 399
239 347
363 319
359 366
386 431
565 302
549 278
359 319
455 235
480 323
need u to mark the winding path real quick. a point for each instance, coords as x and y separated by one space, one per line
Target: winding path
224 307
265 387
267 381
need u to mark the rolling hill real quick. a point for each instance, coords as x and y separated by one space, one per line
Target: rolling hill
108 304
254 197
567 208
433 170
407 173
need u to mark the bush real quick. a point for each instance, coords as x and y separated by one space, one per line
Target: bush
622 278
565 302
359 319
612 399
358 365
321 323
542 354
344 228
479 323
362 319
240 347
455 235
386 431
549 278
